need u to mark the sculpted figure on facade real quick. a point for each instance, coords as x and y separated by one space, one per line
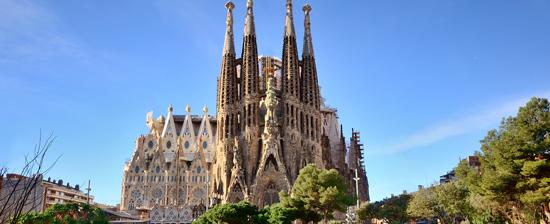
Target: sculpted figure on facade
270 102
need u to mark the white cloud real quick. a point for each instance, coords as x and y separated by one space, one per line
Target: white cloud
28 30
485 119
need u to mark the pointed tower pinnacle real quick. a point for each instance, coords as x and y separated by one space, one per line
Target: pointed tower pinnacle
227 81
289 23
250 88
229 46
309 83
291 70
308 43
249 28
249 69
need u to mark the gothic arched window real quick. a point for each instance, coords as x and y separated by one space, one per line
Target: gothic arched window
271 194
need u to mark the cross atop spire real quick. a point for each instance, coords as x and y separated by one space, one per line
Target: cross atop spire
289 23
249 28
229 46
308 43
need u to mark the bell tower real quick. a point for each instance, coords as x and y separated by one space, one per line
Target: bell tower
293 153
250 112
310 119
227 111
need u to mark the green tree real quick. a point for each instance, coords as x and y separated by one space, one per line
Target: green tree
368 211
316 194
513 183
391 210
66 214
231 213
455 201
394 209
423 204
515 169
447 202
276 214
304 212
482 209
243 213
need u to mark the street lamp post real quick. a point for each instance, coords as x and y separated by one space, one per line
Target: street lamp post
357 187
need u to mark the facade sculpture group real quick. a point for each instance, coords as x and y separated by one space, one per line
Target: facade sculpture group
269 123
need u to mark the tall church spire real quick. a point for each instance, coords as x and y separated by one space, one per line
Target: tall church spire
249 28
249 68
226 115
229 45
250 84
308 43
309 84
289 23
290 57
291 107
227 82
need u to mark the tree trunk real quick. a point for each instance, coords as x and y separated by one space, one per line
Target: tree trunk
546 212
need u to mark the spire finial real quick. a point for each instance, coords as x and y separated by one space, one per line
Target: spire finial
249 28
205 109
229 5
308 43
229 46
170 108
188 109
307 8
289 23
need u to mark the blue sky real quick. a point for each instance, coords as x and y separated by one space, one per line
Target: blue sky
423 80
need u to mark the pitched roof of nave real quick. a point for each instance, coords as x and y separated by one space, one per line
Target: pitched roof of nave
188 131
196 120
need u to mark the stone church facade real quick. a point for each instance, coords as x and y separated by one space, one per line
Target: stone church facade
270 122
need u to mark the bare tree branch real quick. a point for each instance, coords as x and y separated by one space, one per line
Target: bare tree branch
23 193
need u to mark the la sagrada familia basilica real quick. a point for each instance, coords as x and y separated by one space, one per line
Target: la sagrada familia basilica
270 122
